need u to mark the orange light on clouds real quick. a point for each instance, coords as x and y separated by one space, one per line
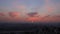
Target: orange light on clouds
32 19
14 14
50 9
2 14
17 18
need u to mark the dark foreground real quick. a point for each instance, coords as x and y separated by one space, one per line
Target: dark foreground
29 28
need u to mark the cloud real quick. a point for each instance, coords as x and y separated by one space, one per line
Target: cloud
50 6
22 8
14 14
46 18
32 14
51 18
2 14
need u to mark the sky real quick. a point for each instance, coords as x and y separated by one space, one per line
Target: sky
22 7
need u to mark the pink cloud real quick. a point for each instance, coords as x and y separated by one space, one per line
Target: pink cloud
2 14
14 14
50 7
51 19
18 18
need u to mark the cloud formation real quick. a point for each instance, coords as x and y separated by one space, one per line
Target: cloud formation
47 18
14 14
2 14
50 7
32 14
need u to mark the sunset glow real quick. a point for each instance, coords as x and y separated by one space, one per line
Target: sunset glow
30 10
